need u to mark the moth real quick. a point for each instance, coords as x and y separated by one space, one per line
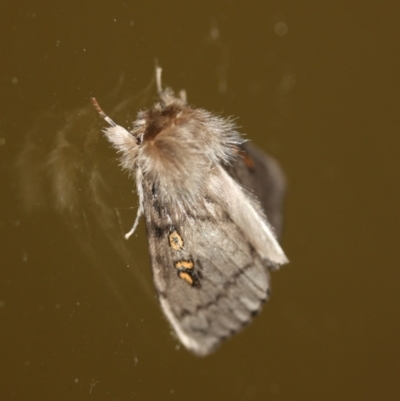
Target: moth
205 194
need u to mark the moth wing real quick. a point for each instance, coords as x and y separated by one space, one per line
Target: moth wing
261 175
209 278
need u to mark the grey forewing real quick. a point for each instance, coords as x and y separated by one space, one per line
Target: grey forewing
230 281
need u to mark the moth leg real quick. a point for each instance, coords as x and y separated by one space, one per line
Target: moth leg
158 81
139 183
135 224
183 96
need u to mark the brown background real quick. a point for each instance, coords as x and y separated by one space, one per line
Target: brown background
78 324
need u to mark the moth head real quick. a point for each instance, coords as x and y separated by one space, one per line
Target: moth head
150 123
179 145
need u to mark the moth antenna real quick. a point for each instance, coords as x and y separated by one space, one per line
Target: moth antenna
158 81
167 95
183 96
102 114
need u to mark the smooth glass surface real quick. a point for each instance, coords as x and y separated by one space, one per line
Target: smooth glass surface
314 83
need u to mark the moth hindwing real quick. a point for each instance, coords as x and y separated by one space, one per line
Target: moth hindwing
204 193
